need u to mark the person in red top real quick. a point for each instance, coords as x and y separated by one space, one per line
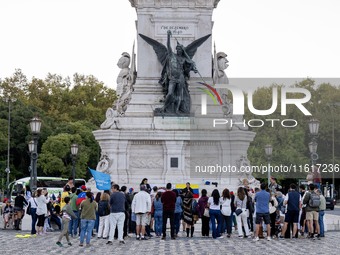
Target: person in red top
169 200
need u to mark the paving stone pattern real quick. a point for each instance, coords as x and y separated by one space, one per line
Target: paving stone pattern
20 242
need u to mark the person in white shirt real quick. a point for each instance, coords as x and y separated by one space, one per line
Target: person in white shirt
141 206
225 202
42 201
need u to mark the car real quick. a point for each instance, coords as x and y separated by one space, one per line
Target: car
330 203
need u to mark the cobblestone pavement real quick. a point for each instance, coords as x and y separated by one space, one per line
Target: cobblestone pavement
20 242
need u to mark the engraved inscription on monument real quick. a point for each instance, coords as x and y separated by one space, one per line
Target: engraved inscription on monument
179 29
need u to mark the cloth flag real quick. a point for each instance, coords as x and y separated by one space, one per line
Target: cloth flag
103 180
81 197
195 188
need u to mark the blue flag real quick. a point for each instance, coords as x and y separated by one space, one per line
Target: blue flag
103 180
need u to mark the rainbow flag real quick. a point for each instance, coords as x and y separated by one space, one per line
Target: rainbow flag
195 188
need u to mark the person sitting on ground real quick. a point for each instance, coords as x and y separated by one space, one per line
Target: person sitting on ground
7 213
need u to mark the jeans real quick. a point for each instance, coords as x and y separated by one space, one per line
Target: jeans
158 223
34 220
73 225
116 219
322 227
215 215
86 226
171 215
177 222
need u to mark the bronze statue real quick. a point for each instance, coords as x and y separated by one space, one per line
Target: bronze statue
175 73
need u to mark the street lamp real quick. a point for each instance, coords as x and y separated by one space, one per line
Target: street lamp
313 125
8 170
31 150
268 149
35 125
74 152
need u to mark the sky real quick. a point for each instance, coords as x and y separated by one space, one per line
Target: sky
263 38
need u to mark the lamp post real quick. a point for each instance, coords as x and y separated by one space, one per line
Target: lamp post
35 125
268 149
31 150
74 152
313 125
8 170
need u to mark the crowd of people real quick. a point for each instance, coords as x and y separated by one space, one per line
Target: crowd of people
120 212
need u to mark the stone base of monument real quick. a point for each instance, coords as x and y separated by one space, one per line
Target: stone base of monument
175 151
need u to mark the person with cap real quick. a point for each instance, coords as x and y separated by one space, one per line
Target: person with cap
141 206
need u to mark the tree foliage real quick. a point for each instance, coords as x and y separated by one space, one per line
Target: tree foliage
69 109
290 145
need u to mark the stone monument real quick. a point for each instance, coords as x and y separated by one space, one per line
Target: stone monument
142 135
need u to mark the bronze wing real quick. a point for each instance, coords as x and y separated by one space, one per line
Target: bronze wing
160 50
192 47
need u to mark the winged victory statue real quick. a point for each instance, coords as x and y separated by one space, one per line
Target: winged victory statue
175 73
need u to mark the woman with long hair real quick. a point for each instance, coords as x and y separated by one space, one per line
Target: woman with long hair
158 213
215 213
88 209
42 201
241 203
225 202
202 205
145 182
34 206
188 214
104 216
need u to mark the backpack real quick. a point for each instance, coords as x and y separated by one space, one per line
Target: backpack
314 200
194 206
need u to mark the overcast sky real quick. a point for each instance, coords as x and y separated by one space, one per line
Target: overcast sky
263 38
